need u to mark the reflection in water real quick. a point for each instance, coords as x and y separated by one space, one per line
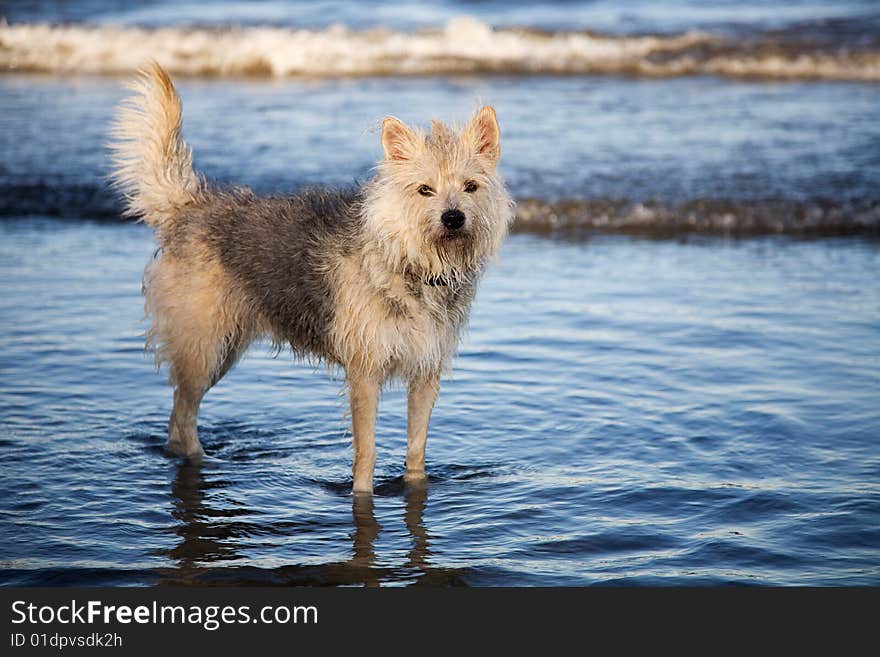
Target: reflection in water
416 495
366 530
208 535
201 540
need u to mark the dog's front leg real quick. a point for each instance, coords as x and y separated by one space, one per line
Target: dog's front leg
364 393
420 402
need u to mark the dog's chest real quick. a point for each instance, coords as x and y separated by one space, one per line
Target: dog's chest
414 335
393 327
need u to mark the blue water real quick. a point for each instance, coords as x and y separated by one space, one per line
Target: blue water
644 140
630 17
622 412
696 410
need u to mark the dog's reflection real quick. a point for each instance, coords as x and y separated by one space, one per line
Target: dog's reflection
367 530
416 500
201 529
208 534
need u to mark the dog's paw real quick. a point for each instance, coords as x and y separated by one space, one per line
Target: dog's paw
176 448
415 476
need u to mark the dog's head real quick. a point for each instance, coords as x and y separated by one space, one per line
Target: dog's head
438 203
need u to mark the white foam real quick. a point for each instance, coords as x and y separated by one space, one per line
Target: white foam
465 45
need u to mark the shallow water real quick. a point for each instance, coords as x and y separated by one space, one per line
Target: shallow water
664 141
695 410
622 412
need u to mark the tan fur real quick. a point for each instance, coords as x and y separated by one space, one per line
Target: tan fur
364 397
405 224
201 325
420 401
194 309
415 343
152 165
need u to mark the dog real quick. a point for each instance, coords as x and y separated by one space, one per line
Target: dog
377 280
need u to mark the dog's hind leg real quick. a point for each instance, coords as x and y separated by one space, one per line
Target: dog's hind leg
192 384
183 435
196 330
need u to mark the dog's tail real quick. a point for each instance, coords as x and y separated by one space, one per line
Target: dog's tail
152 165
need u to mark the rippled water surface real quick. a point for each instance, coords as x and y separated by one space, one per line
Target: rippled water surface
688 410
641 140
623 411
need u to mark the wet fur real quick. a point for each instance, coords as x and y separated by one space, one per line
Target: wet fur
345 277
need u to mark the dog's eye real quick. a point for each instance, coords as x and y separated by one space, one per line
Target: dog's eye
470 186
424 190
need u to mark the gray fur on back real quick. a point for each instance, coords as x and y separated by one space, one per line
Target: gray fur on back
279 249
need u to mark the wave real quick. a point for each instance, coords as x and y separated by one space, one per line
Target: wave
463 46
706 216
81 200
95 202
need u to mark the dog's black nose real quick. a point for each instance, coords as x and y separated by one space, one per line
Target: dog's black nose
452 219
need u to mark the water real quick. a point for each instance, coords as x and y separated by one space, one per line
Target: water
805 40
689 410
808 146
632 17
622 411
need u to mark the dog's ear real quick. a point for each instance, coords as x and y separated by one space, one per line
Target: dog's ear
398 140
483 134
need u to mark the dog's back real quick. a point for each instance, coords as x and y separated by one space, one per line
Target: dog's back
279 252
